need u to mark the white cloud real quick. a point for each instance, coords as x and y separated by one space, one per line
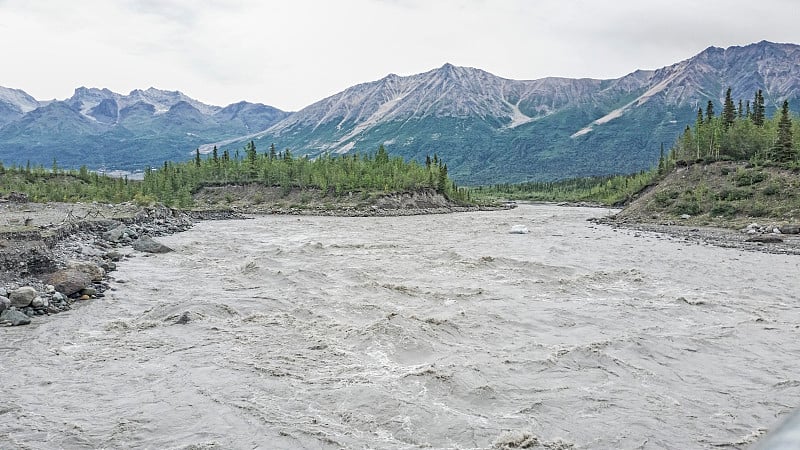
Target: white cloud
289 54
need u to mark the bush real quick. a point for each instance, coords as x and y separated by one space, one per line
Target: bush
662 199
723 209
757 210
771 189
749 177
689 207
734 194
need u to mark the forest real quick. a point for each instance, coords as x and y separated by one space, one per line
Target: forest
173 184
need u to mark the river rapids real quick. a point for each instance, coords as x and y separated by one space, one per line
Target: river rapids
441 331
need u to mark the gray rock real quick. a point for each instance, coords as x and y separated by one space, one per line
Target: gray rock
90 251
3 292
14 317
148 245
22 297
118 234
69 281
790 229
39 302
95 272
88 291
5 303
114 256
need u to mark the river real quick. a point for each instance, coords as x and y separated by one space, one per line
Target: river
442 331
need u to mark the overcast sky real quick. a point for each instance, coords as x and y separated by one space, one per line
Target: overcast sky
291 53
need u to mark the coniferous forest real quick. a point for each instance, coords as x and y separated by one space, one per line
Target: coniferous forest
174 183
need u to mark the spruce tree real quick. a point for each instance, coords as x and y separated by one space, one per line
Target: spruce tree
272 153
783 150
758 109
709 111
728 110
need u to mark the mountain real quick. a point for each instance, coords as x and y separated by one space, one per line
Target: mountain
488 129
491 129
103 129
15 103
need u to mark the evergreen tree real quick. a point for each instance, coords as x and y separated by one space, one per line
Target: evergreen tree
272 153
197 157
441 185
728 110
758 109
214 155
783 150
381 157
709 111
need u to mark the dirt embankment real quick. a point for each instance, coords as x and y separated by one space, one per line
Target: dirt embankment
259 199
728 204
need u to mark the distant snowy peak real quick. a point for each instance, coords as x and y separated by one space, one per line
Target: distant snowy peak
164 100
18 99
86 100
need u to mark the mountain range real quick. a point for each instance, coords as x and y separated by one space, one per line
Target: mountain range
488 129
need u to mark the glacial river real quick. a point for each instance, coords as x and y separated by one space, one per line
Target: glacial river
442 331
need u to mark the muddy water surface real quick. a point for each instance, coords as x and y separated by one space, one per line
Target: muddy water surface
439 331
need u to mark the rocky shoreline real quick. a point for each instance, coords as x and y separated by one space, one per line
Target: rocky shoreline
766 238
45 269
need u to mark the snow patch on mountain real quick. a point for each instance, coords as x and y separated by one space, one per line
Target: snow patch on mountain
617 113
18 98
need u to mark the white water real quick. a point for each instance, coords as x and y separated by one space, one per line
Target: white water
441 331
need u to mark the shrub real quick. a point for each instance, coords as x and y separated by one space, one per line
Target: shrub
771 189
749 177
734 194
723 209
757 210
690 207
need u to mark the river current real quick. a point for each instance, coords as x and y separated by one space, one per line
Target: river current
442 331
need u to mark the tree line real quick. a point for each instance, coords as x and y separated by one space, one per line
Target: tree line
740 132
174 183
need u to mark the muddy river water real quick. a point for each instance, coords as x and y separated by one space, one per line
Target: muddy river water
443 331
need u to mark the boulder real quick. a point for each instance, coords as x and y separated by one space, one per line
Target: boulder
114 256
148 245
39 302
89 291
5 303
69 281
22 297
14 317
790 229
121 233
95 272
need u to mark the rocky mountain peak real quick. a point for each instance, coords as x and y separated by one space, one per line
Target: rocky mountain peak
18 100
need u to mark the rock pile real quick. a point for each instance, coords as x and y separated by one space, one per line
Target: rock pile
48 275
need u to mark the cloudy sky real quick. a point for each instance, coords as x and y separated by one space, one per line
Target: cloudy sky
291 53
